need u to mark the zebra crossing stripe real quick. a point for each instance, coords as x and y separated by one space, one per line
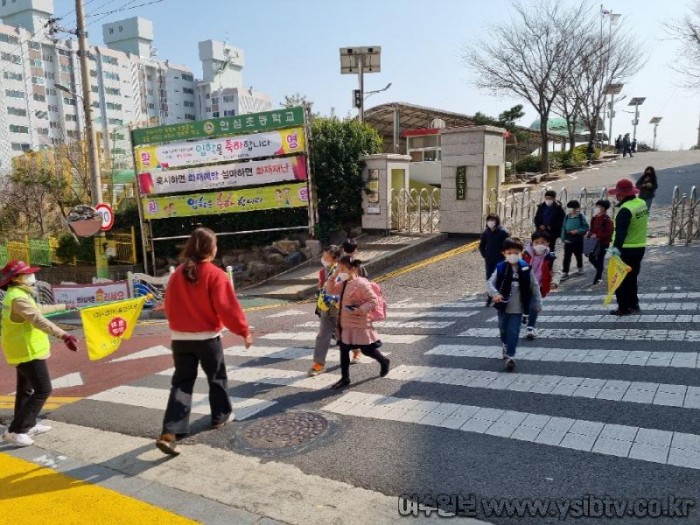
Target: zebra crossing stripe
681 396
404 339
664 295
430 313
607 318
157 398
645 444
396 324
288 353
627 334
575 355
645 307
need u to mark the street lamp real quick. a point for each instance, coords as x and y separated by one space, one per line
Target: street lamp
613 89
360 60
370 93
655 121
636 102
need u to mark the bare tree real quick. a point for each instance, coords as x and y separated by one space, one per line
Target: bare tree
568 105
533 56
687 31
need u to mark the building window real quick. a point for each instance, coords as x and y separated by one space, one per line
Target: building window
15 59
71 118
72 133
216 114
111 76
53 107
13 93
151 106
215 100
53 125
16 111
188 104
230 113
48 58
42 131
109 60
111 30
34 45
64 52
9 75
115 121
69 101
65 68
39 98
50 76
113 91
114 107
188 77
19 129
188 91
51 92
34 63
38 80
21 147
229 99
10 39
189 116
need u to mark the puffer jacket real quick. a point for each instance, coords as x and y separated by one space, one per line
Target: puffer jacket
358 292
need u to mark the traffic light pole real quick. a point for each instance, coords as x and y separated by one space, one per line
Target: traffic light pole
361 74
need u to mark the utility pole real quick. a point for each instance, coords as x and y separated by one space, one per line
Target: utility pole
93 160
698 144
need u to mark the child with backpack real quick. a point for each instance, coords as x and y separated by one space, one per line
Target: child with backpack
491 245
572 234
514 291
602 227
361 302
543 264
326 309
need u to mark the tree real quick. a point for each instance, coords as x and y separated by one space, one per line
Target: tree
297 99
687 32
532 56
505 120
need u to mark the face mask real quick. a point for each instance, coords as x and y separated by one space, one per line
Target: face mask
548 202
27 280
540 249
491 224
598 210
573 213
325 263
343 277
513 258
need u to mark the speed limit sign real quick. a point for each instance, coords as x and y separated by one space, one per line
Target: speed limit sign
105 211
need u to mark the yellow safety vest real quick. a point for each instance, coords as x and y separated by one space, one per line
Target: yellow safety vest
21 342
637 231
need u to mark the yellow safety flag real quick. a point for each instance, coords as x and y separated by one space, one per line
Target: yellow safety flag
617 271
107 325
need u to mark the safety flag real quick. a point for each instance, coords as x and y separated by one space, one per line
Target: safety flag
617 270
107 325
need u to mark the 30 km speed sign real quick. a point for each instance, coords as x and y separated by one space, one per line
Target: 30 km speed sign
105 211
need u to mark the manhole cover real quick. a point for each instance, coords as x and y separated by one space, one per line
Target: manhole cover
285 430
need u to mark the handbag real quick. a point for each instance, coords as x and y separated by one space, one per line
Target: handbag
590 246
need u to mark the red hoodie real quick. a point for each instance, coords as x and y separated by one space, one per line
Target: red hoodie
208 306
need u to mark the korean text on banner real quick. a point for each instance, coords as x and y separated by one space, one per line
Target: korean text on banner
617 271
106 326
86 295
250 123
293 195
241 174
242 147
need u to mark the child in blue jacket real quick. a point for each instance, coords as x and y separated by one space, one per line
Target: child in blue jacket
572 234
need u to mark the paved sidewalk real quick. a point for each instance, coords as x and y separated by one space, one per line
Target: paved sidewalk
203 484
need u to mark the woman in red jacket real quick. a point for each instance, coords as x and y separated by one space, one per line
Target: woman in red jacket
199 303
601 229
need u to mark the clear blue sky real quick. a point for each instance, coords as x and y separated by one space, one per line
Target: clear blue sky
293 47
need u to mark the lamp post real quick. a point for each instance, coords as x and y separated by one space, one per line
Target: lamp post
636 102
360 60
370 93
655 121
613 89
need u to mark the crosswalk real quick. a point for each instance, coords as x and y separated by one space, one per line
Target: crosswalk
635 376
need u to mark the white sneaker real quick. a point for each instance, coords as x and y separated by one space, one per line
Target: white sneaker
530 333
38 429
20 440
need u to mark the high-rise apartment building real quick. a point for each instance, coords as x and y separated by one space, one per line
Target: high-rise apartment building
40 84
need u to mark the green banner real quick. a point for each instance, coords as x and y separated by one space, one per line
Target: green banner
220 127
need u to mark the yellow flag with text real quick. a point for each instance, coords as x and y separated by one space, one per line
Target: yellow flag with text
617 271
107 325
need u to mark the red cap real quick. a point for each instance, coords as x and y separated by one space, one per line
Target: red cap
13 269
624 188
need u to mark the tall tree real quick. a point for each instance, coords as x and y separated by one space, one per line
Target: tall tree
687 31
532 55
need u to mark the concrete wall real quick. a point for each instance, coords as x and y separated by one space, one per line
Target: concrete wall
385 164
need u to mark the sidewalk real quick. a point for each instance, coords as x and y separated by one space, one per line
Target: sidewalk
203 484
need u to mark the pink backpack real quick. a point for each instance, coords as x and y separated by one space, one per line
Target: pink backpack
379 313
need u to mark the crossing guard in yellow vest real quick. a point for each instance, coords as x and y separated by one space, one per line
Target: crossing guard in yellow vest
26 346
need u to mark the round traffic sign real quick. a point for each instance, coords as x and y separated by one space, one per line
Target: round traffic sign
105 211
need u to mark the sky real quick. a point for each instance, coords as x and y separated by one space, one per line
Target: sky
292 47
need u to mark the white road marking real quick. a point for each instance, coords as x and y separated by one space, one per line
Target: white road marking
607 318
68 381
663 295
396 324
287 313
645 307
154 351
289 353
627 334
406 339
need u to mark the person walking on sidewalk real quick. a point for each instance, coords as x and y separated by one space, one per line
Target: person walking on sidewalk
629 243
515 291
647 186
550 217
26 346
573 232
327 310
491 245
199 303
355 329
545 268
601 230
627 146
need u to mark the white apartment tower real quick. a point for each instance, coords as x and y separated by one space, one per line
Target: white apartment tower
130 85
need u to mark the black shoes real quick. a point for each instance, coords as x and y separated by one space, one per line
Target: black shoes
621 312
340 384
385 367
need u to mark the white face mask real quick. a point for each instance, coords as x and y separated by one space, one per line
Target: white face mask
27 279
325 263
513 258
598 210
343 277
491 224
549 202
540 249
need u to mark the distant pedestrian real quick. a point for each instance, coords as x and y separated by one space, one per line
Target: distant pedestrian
618 144
634 145
355 328
601 230
515 291
626 146
26 345
545 268
327 310
629 242
491 245
573 232
199 303
647 186
550 217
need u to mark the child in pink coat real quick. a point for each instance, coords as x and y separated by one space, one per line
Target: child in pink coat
355 329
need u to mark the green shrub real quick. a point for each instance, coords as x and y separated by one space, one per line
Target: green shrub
83 251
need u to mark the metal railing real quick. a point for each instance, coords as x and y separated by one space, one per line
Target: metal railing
415 211
685 219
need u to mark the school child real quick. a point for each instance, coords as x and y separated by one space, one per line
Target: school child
572 234
602 227
544 266
515 291
355 329
491 245
349 249
326 309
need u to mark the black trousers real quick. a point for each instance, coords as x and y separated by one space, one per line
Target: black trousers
368 350
187 356
33 389
598 261
627 297
575 248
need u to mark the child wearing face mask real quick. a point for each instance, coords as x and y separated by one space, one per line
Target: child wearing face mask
573 231
550 217
602 227
545 268
26 345
515 292
491 245
326 309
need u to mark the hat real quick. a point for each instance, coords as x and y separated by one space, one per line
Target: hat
13 269
624 188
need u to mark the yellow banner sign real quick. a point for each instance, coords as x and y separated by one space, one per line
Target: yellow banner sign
106 326
617 271
234 201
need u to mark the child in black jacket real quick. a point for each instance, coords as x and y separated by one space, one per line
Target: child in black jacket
491 245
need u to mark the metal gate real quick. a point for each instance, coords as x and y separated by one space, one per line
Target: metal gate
685 219
415 211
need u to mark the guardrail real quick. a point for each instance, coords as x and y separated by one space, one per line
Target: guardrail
685 218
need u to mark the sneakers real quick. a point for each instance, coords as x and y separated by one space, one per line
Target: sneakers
385 367
510 364
530 333
38 429
315 370
340 384
580 271
226 421
595 282
167 444
621 312
564 276
636 310
356 356
19 440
